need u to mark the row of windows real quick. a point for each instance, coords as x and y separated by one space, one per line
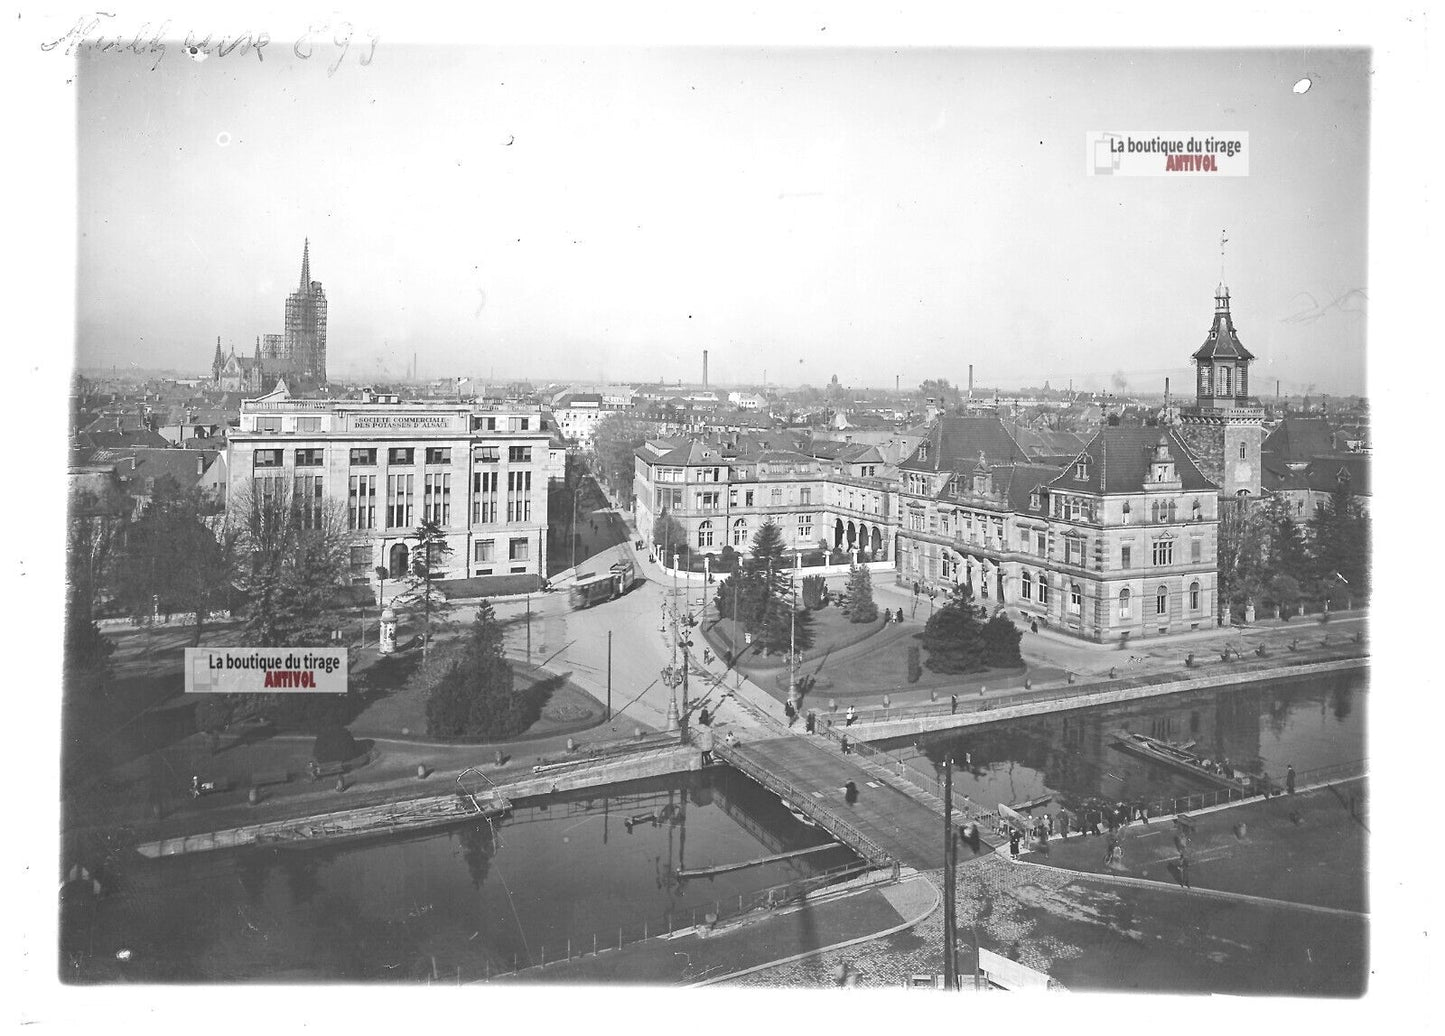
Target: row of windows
398 455
519 548
1126 604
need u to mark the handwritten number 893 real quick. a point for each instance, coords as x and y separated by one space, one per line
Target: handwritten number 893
341 38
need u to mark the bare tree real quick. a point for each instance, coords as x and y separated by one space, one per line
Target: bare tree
290 558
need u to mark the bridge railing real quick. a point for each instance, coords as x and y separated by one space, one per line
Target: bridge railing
831 821
1320 775
1338 647
896 763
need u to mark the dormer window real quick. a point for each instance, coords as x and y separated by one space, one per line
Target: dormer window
1081 471
923 452
1034 500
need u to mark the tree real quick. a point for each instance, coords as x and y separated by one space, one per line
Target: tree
1001 640
172 558
953 635
668 535
475 695
1244 535
421 598
1340 544
941 390
860 604
95 523
615 441
290 561
1289 562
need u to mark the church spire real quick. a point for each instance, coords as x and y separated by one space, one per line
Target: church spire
306 265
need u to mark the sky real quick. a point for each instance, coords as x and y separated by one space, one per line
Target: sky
585 214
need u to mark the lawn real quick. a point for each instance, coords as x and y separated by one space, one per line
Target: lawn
851 661
396 691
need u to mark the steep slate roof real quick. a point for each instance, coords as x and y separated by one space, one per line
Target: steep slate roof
1038 443
1299 438
954 444
1119 459
1018 481
1223 342
1320 474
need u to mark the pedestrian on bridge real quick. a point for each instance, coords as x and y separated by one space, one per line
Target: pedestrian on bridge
1289 779
812 722
952 704
850 793
790 712
850 716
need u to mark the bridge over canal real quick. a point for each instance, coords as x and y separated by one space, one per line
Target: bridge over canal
891 823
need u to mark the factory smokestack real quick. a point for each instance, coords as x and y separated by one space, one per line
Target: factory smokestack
970 381
704 370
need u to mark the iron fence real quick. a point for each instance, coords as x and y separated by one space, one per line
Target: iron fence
1337 649
594 943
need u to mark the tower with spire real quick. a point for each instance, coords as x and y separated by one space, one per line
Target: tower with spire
304 345
1224 429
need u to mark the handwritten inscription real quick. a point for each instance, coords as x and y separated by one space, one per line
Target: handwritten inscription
331 43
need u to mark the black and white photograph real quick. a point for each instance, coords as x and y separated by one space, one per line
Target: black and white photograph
822 508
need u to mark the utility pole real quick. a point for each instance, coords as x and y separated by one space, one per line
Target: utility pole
950 921
793 636
608 716
529 627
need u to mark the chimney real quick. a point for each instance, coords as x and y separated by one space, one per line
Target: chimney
704 370
970 381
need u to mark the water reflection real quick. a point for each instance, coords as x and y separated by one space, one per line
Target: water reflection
1306 722
450 905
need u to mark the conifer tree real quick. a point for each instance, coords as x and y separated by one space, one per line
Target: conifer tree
861 607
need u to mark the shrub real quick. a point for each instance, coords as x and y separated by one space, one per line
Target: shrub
915 667
814 591
335 745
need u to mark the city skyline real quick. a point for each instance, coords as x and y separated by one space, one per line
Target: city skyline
799 213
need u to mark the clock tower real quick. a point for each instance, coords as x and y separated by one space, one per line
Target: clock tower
1224 429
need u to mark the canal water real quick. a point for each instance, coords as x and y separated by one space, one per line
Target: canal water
470 900
1306 722
457 904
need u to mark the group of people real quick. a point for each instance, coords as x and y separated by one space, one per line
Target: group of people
896 616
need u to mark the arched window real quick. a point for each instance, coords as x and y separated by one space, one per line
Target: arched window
1076 598
1194 596
1126 606
1161 601
704 534
1126 512
1195 512
1172 510
1028 585
740 532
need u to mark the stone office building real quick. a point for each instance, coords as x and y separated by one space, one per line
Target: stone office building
722 492
480 473
1120 542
